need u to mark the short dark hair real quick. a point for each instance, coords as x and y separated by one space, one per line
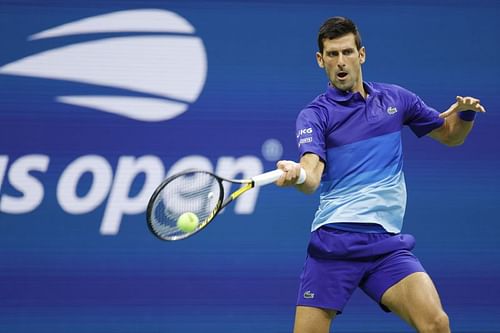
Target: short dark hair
336 27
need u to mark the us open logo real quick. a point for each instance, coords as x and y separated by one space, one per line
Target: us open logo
161 63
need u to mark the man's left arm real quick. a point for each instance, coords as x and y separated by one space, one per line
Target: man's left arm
458 121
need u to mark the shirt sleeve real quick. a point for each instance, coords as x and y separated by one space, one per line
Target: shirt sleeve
311 133
421 118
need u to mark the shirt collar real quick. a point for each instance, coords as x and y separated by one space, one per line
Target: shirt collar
342 96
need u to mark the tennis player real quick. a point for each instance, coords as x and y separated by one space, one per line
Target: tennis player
349 140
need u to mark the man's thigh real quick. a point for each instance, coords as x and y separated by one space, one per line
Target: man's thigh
312 320
387 271
415 299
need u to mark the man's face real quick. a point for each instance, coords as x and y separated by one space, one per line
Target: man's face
342 62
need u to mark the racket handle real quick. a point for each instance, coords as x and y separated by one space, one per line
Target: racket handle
272 176
302 176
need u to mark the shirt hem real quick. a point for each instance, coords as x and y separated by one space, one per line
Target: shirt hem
392 231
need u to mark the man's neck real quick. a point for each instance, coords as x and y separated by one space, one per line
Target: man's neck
359 88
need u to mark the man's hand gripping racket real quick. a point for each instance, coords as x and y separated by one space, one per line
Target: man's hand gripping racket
187 202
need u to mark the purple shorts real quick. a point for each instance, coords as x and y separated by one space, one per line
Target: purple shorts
340 261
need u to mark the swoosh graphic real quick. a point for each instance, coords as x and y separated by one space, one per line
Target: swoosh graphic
138 108
169 66
174 68
139 20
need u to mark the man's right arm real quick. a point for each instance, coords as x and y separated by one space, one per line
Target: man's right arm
313 166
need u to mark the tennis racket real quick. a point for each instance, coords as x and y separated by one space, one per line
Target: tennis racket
196 192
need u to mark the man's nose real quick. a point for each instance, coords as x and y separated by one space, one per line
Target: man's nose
341 62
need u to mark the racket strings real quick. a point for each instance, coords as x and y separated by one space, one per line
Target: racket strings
195 192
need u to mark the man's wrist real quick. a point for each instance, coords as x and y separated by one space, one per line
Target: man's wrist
467 115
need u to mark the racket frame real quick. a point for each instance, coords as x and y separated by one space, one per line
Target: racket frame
248 184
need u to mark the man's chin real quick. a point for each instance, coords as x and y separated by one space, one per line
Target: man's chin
344 86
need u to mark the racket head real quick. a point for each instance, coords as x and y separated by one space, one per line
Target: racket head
196 191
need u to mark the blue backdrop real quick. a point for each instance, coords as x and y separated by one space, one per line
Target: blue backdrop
99 101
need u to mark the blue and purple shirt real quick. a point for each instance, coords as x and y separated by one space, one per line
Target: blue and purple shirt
360 143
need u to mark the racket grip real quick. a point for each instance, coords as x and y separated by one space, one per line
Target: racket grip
272 176
302 176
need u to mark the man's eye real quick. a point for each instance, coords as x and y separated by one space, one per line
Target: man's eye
348 52
332 54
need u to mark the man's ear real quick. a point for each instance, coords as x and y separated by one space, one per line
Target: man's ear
362 55
319 59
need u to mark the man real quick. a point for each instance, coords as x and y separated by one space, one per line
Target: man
349 139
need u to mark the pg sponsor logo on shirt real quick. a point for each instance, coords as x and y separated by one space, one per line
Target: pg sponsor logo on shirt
304 131
305 135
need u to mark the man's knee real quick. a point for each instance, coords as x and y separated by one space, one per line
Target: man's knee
439 323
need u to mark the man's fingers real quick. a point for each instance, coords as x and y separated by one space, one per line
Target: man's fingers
467 101
470 102
464 104
291 171
281 165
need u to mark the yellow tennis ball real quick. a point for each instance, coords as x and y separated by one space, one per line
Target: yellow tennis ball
187 222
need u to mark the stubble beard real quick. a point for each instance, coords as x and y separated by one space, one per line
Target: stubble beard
344 86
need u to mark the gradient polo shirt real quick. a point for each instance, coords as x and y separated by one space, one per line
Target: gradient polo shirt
360 142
